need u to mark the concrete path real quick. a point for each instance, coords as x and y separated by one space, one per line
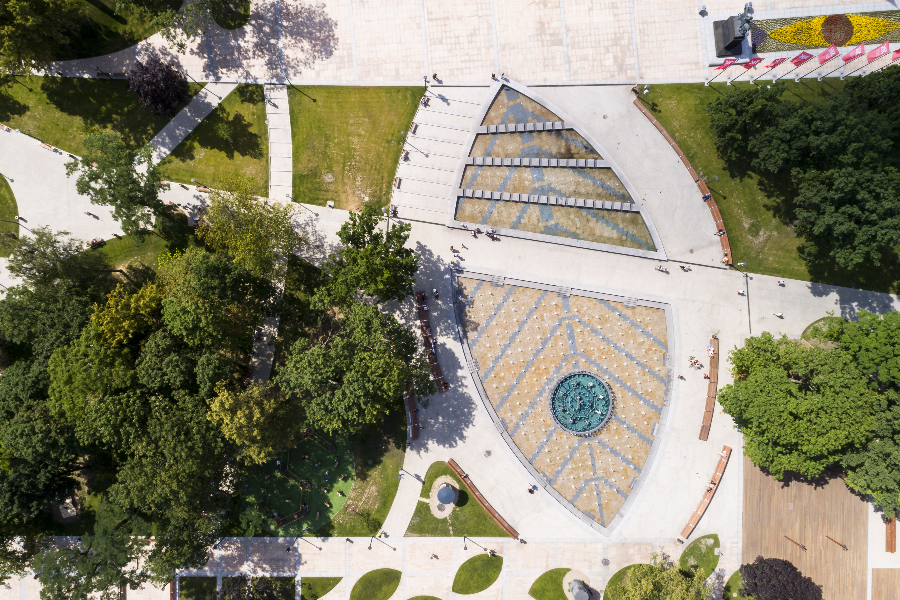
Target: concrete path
190 116
278 118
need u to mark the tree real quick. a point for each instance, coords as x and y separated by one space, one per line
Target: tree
211 302
176 26
44 256
32 32
125 316
159 86
371 261
128 181
257 234
96 566
800 409
16 553
661 580
776 579
736 117
258 419
357 372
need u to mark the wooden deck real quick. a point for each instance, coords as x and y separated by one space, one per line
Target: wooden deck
806 513
885 584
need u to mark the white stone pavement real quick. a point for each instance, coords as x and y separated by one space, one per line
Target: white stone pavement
188 118
278 119
559 42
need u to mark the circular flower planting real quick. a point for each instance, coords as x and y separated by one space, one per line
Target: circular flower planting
837 30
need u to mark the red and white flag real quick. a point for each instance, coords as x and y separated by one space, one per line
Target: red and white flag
775 63
801 58
855 53
879 51
824 57
895 55
726 63
752 63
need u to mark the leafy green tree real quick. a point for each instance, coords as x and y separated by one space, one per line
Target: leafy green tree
258 234
211 369
372 262
128 181
873 341
357 372
32 32
16 553
44 256
776 579
799 409
741 114
211 302
125 316
259 419
95 566
875 469
660 580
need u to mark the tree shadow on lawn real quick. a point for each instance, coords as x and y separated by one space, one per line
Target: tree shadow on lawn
225 132
9 106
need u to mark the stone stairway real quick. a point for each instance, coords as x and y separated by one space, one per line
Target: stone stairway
280 155
436 144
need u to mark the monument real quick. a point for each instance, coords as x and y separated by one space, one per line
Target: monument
730 33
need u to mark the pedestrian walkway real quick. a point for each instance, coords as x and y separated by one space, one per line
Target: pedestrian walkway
278 118
190 116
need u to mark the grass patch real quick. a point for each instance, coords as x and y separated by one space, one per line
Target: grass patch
733 586
424 598
232 139
62 111
232 14
700 554
351 134
9 231
615 584
477 574
467 518
99 30
379 584
313 588
197 588
758 221
549 586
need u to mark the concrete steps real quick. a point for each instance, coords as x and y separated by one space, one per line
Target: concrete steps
278 119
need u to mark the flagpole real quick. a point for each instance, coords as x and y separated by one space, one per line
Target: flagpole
822 65
885 66
854 71
792 70
753 79
717 74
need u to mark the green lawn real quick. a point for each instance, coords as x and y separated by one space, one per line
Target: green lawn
233 14
549 586
733 586
62 111
467 518
759 222
424 598
701 553
350 136
313 588
477 574
613 589
379 584
9 232
233 140
197 588
101 31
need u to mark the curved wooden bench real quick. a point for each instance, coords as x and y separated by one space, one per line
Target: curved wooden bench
708 495
701 185
711 390
481 500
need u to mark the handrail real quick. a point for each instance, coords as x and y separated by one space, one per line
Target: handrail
481 500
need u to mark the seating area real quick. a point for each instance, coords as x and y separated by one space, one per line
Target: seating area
428 337
727 259
708 494
457 470
412 419
890 544
711 390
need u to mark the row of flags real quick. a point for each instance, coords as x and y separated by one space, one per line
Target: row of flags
823 57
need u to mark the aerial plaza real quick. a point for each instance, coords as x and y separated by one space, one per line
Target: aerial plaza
401 301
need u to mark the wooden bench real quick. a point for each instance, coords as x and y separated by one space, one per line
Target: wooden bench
711 390
412 420
428 338
890 540
708 495
47 146
200 188
481 499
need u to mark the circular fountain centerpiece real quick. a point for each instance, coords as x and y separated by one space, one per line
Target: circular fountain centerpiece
581 403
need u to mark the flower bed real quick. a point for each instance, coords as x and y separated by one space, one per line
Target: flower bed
801 33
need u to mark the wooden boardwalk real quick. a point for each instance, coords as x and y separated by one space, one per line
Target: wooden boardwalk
885 584
806 513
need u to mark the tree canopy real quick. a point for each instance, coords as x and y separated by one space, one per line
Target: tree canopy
662 580
833 161
32 32
159 86
776 579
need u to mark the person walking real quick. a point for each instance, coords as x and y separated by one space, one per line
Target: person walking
779 315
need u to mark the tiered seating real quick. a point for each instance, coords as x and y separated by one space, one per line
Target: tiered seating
708 495
481 500
701 185
428 336
711 388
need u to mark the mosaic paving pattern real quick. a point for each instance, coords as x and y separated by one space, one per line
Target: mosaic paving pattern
626 229
536 144
512 107
590 184
523 339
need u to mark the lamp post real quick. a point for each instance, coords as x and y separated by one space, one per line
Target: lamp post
747 288
310 543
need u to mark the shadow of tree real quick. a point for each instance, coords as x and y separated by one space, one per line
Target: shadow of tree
309 35
9 106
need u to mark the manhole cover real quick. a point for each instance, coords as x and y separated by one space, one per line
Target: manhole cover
604 116
605 562
329 177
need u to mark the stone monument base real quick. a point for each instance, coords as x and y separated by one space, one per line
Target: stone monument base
729 40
